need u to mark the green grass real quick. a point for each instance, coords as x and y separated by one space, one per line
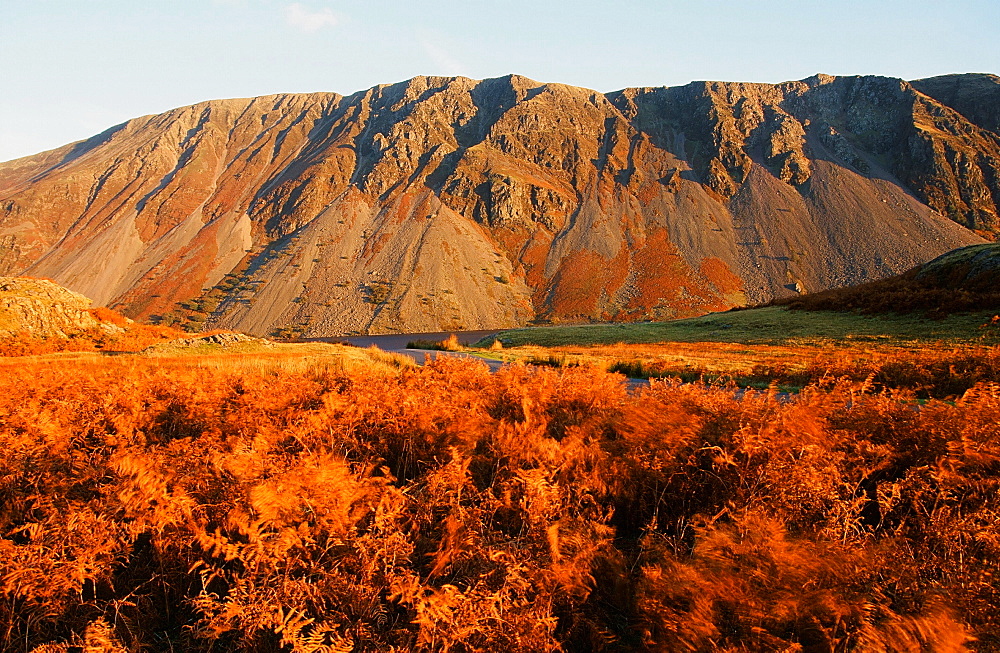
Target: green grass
989 253
764 326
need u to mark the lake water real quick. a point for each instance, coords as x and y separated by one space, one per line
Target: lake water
395 341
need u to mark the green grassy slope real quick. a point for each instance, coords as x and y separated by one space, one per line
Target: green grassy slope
769 325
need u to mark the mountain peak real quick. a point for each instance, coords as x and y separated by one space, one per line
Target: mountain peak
446 202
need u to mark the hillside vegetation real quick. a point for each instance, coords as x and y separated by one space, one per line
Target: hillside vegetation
965 280
938 371
178 505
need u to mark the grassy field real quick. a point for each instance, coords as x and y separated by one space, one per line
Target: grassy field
319 497
763 326
323 498
760 347
936 370
242 357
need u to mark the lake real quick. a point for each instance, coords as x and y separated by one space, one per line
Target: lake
396 341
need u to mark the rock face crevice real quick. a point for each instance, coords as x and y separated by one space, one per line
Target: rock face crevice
444 202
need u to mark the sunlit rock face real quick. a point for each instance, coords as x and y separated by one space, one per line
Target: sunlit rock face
445 203
41 308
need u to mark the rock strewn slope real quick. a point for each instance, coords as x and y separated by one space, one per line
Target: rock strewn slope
443 203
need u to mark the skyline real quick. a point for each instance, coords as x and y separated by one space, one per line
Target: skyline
73 69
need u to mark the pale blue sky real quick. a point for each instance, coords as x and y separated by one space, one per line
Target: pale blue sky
72 68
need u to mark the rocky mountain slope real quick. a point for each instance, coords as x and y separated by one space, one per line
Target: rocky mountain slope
445 203
975 95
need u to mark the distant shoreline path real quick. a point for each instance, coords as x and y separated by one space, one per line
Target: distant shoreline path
396 343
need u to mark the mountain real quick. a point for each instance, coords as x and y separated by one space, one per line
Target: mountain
446 203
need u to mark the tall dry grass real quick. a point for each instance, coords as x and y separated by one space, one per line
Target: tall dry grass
930 371
446 509
135 337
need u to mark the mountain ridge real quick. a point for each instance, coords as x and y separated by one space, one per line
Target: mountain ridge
442 202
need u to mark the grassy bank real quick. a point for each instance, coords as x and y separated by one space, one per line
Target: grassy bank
242 357
765 326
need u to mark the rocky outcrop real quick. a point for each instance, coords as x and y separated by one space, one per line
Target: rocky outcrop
875 126
211 341
42 308
974 95
447 203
